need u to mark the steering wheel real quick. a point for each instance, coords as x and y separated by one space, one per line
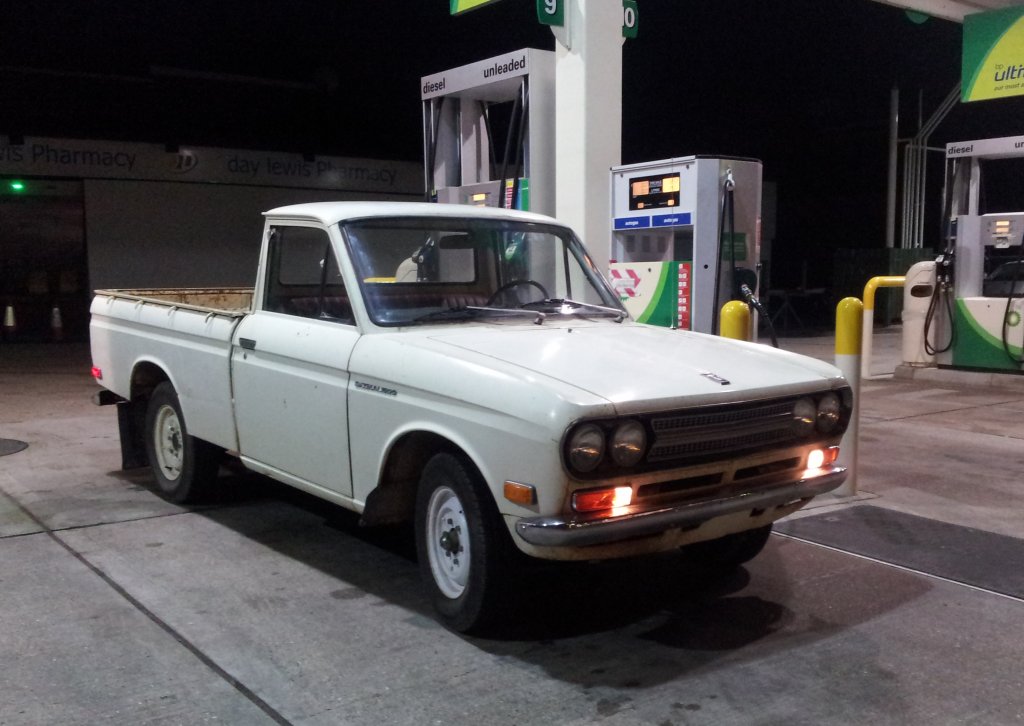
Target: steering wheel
496 295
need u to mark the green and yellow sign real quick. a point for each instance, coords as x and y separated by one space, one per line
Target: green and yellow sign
463 6
993 55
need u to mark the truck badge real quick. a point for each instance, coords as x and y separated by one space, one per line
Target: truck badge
715 377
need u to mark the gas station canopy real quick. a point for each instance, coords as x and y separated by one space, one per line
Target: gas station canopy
954 10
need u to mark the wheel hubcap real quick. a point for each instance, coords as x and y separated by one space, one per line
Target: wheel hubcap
450 541
169 442
447 542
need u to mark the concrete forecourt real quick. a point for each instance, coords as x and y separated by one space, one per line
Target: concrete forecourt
268 607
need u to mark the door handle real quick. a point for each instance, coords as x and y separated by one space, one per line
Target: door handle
247 343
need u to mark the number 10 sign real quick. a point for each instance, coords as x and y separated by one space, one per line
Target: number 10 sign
552 12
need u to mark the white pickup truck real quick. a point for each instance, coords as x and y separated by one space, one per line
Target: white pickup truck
471 371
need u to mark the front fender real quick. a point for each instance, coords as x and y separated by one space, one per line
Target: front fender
500 447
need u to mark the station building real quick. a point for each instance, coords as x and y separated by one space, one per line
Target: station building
79 215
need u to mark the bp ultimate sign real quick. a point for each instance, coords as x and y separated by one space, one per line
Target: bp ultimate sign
993 56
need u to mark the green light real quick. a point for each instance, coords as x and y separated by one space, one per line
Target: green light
17 186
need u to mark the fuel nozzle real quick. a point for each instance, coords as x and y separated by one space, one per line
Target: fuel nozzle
748 295
945 263
944 266
752 300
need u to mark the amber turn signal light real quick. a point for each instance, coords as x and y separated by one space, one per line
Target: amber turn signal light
518 493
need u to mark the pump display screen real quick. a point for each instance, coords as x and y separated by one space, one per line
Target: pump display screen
651 192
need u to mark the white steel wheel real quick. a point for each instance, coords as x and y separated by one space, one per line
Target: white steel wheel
184 467
448 542
168 442
462 545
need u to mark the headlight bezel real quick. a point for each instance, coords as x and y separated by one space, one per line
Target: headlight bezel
830 413
575 445
627 443
611 430
805 416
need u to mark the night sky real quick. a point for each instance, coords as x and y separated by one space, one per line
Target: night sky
801 84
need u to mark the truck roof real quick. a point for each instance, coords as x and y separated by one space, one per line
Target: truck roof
329 213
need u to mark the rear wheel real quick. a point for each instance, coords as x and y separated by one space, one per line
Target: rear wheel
462 547
729 552
185 467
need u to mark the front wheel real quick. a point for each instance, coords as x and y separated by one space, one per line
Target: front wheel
185 467
461 545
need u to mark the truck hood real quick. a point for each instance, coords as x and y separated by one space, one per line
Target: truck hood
641 367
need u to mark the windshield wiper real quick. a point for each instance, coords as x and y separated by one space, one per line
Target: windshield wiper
448 314
472 311
567 302
538 318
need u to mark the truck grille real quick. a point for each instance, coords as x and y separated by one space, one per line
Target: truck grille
697 436
714 432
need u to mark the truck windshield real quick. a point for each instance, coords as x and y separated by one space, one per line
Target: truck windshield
430 270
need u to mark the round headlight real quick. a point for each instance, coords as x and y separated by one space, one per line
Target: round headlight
804 414
829 413
586 448
628 443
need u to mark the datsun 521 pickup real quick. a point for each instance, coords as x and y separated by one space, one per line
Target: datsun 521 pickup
471 371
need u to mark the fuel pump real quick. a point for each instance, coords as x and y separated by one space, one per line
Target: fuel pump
470 112
685 238
979 291
743 278
941 302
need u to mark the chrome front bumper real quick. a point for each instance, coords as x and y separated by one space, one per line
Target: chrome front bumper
560 532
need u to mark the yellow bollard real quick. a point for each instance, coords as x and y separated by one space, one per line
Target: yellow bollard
734 320
849 313
869 316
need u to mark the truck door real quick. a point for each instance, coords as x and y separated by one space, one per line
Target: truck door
290 365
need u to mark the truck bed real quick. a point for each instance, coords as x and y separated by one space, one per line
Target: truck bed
187 333
231 301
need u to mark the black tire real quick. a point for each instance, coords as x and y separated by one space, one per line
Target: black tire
185 467
462 545
729 552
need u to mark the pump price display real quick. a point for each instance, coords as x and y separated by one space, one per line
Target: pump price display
651 192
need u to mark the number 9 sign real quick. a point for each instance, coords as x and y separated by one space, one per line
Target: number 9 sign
551 12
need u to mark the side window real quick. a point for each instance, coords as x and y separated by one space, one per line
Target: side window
303 277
